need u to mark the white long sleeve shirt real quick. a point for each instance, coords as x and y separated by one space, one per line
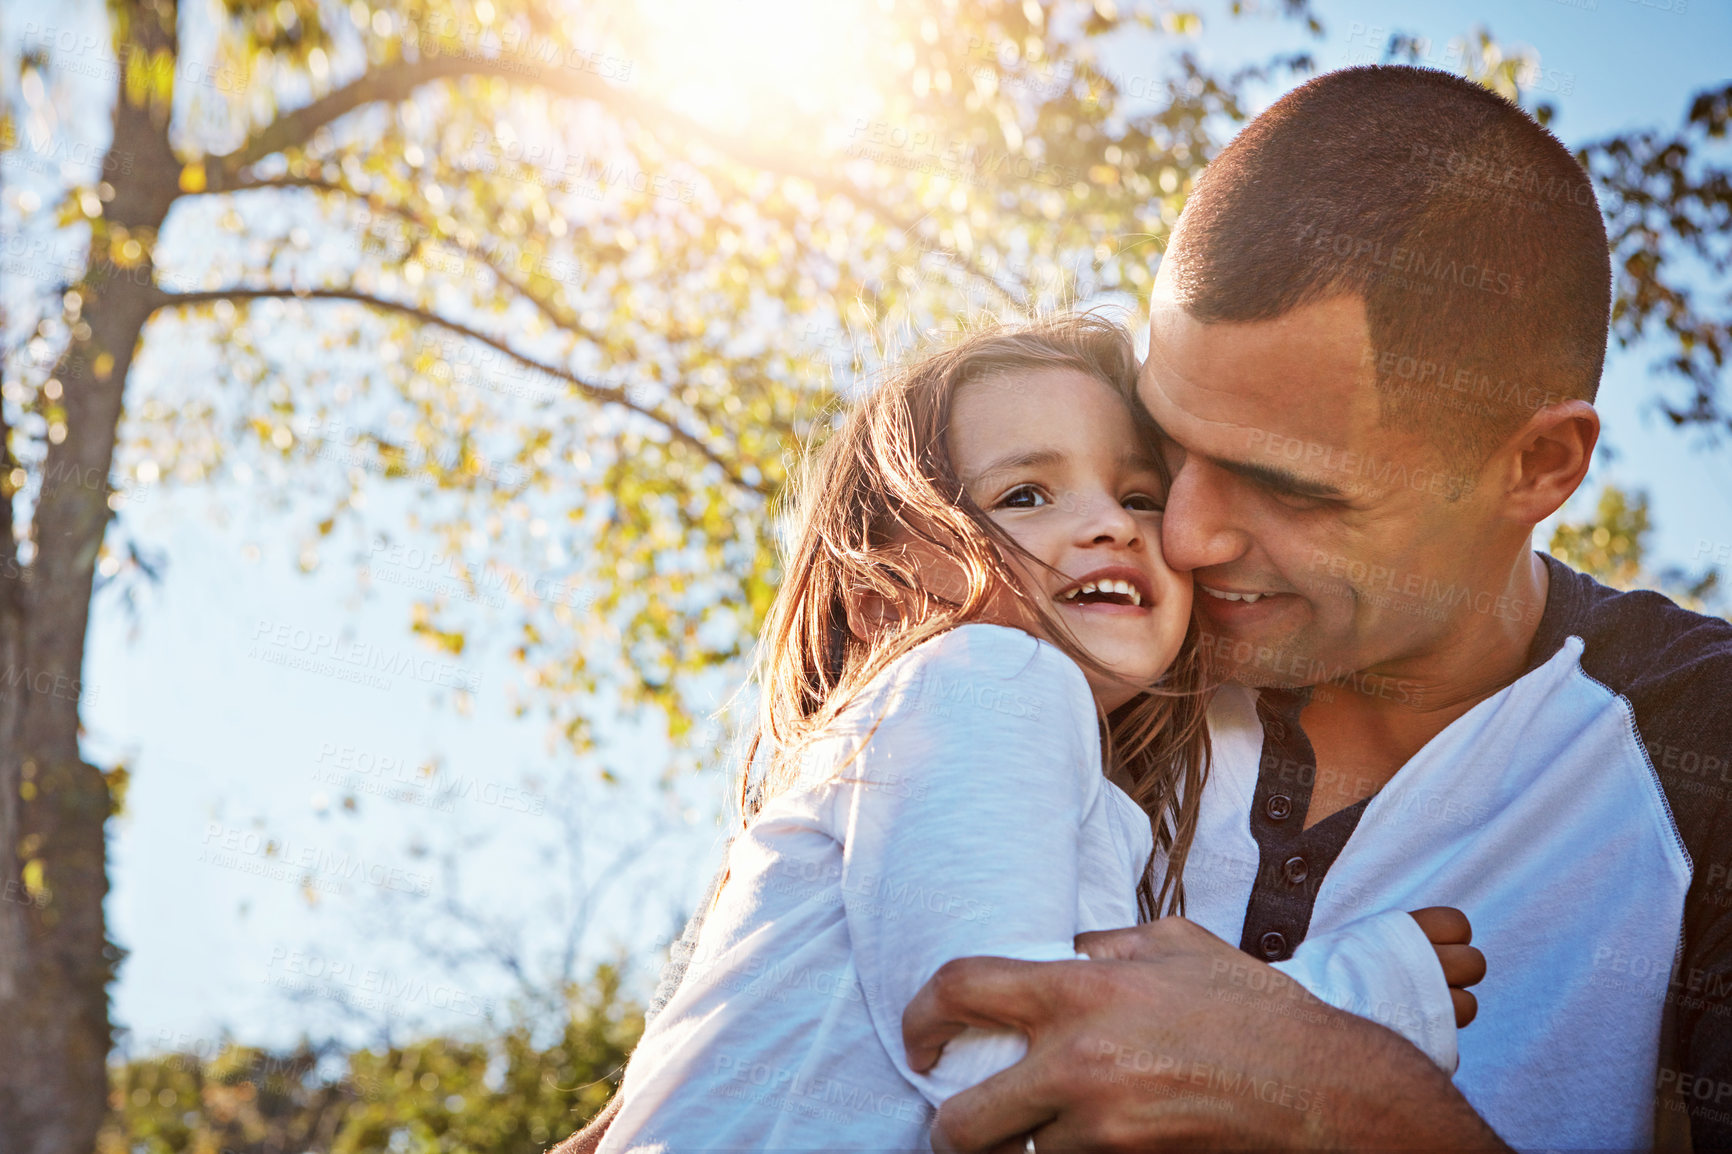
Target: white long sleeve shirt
957 808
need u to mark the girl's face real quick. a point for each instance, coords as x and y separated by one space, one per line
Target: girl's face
1052 455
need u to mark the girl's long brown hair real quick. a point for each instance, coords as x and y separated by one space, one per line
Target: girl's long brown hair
885 476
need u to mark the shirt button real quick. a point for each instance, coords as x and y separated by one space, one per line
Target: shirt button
1296 870
1279 807
1273 945
1277 730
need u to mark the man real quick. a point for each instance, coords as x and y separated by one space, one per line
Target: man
1375 340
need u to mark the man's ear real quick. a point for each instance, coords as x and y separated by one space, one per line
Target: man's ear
1551 455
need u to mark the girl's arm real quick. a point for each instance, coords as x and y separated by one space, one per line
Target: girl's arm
960 822
1384 968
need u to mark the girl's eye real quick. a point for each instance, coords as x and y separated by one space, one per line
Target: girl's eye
1022 497
1143 503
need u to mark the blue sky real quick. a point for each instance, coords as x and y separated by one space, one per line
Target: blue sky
229 744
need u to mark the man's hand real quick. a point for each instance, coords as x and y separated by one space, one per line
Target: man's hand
1463 966
1173 1039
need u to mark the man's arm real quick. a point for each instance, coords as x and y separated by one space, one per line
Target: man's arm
1162 1041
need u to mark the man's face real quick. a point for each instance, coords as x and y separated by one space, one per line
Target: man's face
1322 542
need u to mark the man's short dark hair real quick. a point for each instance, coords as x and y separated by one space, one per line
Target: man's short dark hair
1471 233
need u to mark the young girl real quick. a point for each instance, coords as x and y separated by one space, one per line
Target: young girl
981 731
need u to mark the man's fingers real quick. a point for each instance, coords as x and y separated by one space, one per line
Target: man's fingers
1462 965
1444 925
995 1114
1126 945
1016 1145
990 992
1466 1007
1155 941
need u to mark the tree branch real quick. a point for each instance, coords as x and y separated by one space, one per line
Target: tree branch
396 81
389 84
599 394
563 320
546 308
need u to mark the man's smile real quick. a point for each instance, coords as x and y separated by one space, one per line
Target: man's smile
1243 608
1228 595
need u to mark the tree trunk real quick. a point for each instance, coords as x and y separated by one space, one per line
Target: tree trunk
14 924
54 990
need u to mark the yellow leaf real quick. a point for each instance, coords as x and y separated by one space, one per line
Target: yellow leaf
35 883
137 79
162 78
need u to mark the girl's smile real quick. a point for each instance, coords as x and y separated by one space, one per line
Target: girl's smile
1114 589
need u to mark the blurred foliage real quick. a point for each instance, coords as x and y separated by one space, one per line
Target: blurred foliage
1508 71
446 1095
1611 546
1668 203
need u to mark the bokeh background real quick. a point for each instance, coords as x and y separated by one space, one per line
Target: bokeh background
396 394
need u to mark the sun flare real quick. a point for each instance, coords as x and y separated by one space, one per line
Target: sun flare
739 64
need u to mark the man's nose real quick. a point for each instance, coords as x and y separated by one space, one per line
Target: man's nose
1198 529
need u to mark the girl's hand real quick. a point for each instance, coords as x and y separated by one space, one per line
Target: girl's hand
1463 966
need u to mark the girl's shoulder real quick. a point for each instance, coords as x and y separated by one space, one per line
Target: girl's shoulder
1014 670
975 691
